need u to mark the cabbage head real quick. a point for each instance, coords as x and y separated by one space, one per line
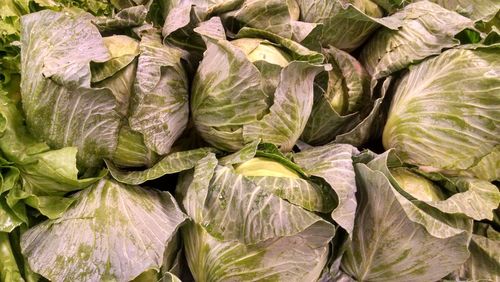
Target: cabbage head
258 86
249 207
422 223
118 97
445 114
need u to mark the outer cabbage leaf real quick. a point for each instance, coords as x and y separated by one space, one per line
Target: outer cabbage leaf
296 51
122 50
342 24
246 153
112 232
214 260
95 7
392 5
174 268
438 223
172 163
333 163
118 73
370 126
236 235
484 262
488 168
129 17
473 9
126 4
169 277
291 109
426 30
231 191
60 106
394 240
182 17
472 197
445 113
131 151
328 177
275 16
312 196
159 106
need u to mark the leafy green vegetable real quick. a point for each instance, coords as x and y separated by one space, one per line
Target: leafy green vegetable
252 100
110 97
426 30
389 226
342 98
444 124
483 262
112 231
343 24
9 270
34 173
304 140
251 237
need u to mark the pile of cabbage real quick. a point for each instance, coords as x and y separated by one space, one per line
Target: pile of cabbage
249 140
